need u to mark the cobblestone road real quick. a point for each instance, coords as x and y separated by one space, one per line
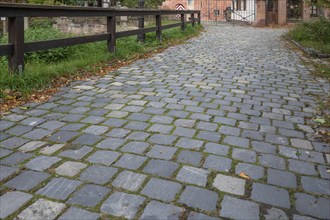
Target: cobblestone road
167 137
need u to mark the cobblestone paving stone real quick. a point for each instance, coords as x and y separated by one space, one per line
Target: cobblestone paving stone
168 136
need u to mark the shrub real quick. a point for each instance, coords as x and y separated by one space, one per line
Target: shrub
314 34
318 31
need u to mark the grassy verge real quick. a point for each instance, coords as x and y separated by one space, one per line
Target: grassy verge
316 35
313 34
81 60
322 69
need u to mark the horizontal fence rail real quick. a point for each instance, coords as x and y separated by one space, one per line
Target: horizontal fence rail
15 13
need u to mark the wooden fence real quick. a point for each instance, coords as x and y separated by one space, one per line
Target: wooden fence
15 13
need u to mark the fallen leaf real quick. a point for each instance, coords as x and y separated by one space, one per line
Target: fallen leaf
244 175
319 120
23 108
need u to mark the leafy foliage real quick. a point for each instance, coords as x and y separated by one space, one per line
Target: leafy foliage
148 3
314 34
320 3
128 3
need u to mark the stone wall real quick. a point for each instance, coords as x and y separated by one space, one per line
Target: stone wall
92 25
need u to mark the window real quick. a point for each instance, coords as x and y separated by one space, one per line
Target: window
270 5
216 12
240 5
190 2
314 9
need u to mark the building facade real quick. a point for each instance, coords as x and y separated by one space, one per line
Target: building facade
258 12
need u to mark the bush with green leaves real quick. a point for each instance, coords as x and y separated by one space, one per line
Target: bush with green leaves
312 31
315 34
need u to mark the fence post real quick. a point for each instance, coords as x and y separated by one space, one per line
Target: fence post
141 37
199 17
159 27
183 25
16 37
111 29
193 19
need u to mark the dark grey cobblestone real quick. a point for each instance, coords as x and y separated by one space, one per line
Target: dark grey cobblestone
37 210
189 157
309 205
324 171
200 216
263 147
193 175
185 132
217 163
239 209
87 139
77 153
162 139
59 188
196 127
13 142
6 171
3 136
111 143
12 201
130 161
274 213
41 163
161 189
189 143
64 136
314 185
19 130
311 156
77 213
5 152
103 157
272 161
129 180
27 180
162 152
244 155
199 198
158 211
160 168
253 171
37 134
16 158
98 174
89 195
237 141
122 204
302 167
281 178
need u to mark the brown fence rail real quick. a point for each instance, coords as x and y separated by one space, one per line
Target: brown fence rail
16 46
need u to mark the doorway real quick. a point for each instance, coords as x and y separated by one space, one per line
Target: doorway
272 11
